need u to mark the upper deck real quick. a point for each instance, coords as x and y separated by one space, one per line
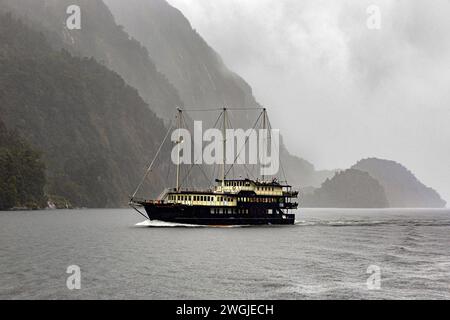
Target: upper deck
231 193
260 188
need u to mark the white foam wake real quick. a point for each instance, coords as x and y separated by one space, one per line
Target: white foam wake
163 224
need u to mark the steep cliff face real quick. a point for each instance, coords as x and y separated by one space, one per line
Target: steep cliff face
101 38
348 189
197 71
95 131
402 188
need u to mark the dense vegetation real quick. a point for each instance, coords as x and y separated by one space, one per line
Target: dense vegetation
102 39
95 131
22 173
348 189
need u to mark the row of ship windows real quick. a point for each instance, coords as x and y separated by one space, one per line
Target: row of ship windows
237 183
247 184
265 188
199 198
262 200
220 198
234 211
228 211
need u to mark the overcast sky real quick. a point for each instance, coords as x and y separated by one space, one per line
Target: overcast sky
342 91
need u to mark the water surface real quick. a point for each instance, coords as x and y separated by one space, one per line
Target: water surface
324 256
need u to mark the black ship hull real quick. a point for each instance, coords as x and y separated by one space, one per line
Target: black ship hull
217 216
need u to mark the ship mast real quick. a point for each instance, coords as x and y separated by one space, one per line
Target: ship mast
180 112
264 139
224 145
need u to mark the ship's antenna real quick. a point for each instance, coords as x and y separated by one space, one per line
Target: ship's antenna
224 145
180 113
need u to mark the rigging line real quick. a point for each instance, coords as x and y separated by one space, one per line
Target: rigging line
255 166
246 140
194 164
281 162
138 211
231 126
149 169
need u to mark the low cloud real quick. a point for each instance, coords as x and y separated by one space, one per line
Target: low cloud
340 90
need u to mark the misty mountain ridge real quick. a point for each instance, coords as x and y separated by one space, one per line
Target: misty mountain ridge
104 121
373 183
101 38
402 187
348 189
95 132
198 72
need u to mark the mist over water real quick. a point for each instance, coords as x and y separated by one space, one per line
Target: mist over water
325 255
